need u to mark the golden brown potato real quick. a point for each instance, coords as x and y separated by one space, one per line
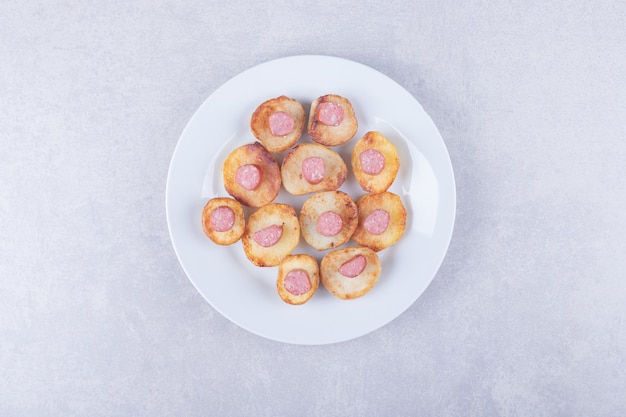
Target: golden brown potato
310 167
332 120
298 278
278 123
382 220
271 233
350 272
375 162
251 175
328 219
223 220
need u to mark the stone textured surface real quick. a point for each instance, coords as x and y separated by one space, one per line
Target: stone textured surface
527 316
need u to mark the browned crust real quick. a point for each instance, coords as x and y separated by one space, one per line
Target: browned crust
230 236
344 287
271 214
397 220
259 123
332 135
255 154
337 202
291 169
383 180
298 261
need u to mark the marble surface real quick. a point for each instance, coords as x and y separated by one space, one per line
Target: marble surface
526 317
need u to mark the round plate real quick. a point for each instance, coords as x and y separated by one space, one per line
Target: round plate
247 294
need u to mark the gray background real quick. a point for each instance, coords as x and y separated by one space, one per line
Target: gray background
526 317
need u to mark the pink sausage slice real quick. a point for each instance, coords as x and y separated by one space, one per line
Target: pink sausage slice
297 282
281 123
353 267
222 219
330 113
248 176
269 236
377 222
313 169
372 161
329 224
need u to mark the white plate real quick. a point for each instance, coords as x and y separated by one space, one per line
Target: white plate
246 294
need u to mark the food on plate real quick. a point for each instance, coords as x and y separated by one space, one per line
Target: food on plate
278 123
251 175
298 278
350 272
375 162
382 220
328 219
223 220
271 233
310 167
332 120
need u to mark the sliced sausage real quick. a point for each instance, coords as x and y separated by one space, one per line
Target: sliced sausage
248 176
269 236
281 123
353 267
297 282
330 113
313 169
377 222
372 161
329 224
222 219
